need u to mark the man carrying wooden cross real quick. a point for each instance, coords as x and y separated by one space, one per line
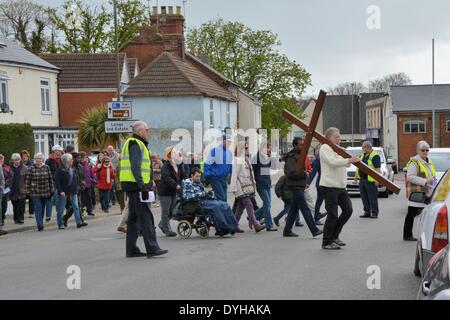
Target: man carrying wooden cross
334 182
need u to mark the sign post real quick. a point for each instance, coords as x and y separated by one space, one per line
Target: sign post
120 110
119 126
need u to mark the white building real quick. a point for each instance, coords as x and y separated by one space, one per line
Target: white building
29 87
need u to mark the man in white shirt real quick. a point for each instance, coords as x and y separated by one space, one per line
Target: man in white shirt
334 182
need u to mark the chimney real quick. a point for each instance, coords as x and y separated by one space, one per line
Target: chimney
168 22
163 11
170 11
155 11
179 11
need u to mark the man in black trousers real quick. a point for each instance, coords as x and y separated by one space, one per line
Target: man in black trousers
136 179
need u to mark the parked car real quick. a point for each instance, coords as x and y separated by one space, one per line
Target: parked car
386 170
435 284
441 160
434 225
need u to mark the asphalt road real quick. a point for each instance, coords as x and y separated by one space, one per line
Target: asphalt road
265 266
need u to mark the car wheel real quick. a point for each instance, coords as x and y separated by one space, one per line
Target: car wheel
417 272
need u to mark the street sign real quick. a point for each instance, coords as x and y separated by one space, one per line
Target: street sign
120 110
119 126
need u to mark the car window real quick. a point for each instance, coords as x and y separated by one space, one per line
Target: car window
441 161
441 192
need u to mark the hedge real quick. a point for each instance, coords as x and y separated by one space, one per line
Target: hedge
14 138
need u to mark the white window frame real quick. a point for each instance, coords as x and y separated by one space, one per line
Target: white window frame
4 82
414 122
228 115
40 142
46 100
211 114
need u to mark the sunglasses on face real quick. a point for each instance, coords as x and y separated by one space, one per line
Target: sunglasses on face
425 150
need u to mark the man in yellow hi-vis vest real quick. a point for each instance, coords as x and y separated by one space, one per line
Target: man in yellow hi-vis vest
136 180
368 187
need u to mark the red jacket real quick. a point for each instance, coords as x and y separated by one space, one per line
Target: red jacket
102 177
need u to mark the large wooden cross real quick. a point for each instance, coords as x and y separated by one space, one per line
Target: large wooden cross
311 133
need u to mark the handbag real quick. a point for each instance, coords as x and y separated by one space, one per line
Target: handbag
248 189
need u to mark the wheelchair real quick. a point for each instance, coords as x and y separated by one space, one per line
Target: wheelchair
191 216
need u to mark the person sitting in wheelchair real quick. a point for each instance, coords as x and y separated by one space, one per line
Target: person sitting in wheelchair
194 192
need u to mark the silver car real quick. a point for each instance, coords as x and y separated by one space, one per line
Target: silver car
436 283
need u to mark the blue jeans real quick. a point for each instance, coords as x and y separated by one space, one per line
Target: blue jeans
40 204
61 206
299 203
264 212
105 196
220 187
287 207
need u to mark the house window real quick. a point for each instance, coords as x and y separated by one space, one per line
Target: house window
211 114
448 125
3 88
66 139
415 126
45 96
39 143
228 115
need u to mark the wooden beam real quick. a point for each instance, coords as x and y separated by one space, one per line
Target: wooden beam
341 151
310 132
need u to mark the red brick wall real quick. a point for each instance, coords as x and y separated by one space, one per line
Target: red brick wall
407 142
73 104
444 135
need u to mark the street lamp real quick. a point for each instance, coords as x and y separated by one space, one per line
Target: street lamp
116 35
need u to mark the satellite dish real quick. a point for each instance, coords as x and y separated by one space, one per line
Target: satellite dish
4 107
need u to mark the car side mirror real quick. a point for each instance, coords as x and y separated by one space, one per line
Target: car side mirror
418 197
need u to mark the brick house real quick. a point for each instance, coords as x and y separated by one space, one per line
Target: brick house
166 34
412 106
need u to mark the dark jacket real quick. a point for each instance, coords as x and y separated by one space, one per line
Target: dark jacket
294 180
18 183
169 180
66 182
282 190
136 161
261 169
54 165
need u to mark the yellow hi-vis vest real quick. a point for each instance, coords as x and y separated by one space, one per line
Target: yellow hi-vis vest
126 175
370 164
202 166
423 173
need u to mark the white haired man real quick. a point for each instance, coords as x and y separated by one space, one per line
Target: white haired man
334 182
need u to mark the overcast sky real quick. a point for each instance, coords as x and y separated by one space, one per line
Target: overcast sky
330 38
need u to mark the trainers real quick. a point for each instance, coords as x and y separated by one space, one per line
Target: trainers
331 246
339 243
271 229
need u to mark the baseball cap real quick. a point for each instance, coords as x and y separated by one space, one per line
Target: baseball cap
57 148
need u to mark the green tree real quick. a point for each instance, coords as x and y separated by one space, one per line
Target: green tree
131 15
91 131
25 21
15 137
251 59
84 27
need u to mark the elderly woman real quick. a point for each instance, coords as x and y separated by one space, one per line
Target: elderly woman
39 184
421 177
105 178
67 186
18 188
244 188
169 185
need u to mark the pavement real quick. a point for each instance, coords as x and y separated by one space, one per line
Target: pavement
248 266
